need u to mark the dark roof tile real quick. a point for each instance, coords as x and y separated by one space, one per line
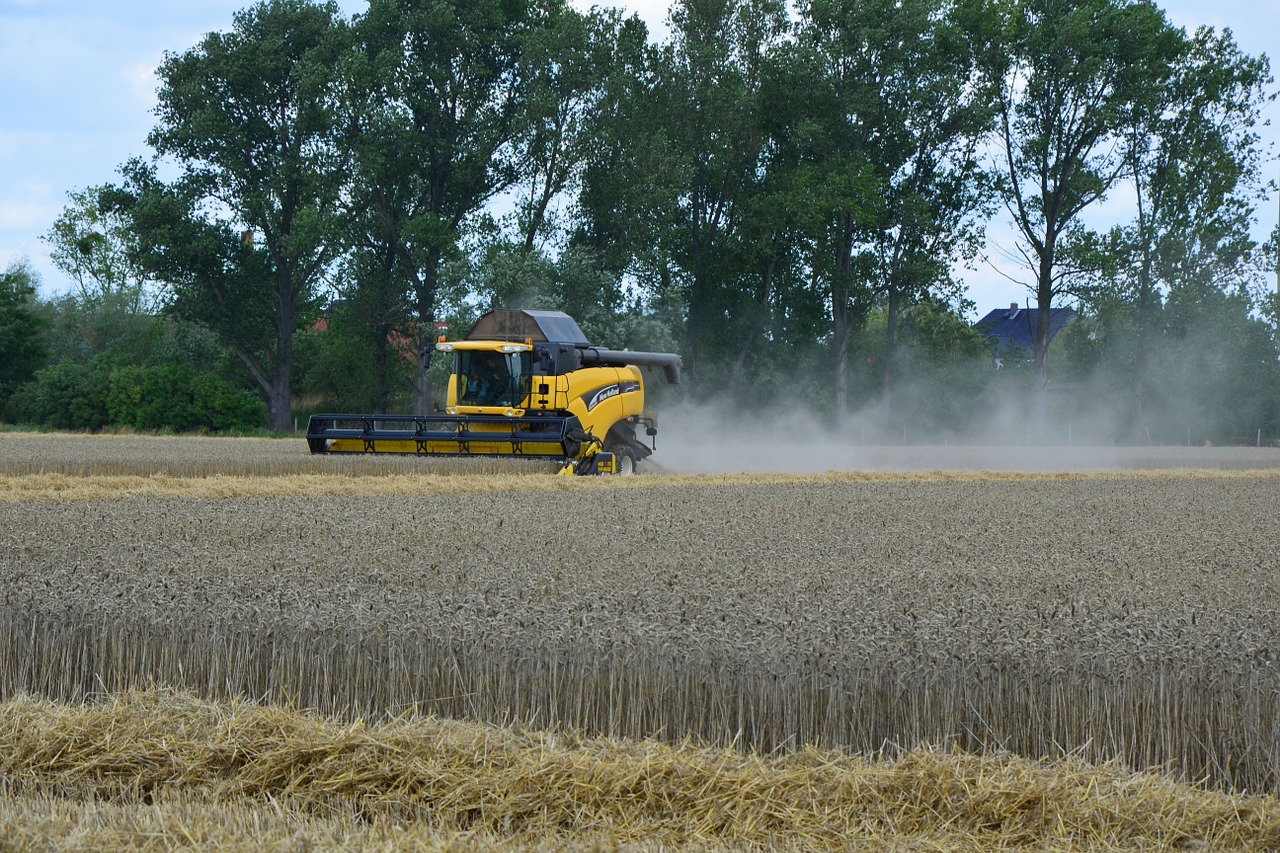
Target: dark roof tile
1015 326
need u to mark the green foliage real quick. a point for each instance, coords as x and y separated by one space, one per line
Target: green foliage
440 102
93 243
627 173
22 347
114 366
512 276
99 394
67 395
79 330
1077 75
943 365
1212 373
1222 362
179 398
218 278
783 198
707 101
340 368
245 234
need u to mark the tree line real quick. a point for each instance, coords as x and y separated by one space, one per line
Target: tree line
784 196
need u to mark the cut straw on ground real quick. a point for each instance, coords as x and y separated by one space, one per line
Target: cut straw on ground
66 487
128 769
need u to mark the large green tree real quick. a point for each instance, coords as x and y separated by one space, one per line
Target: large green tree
216 275
569 57
707 99
894 116
626 174
434 104
244 114
1193 161
1077 71
1216 371
934 189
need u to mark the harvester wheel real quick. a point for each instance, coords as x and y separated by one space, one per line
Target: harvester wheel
626 460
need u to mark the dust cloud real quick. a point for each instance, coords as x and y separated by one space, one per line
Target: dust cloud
700 440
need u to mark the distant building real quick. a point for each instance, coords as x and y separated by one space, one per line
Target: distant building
1012 330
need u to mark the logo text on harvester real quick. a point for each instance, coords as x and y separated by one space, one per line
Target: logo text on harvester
599 396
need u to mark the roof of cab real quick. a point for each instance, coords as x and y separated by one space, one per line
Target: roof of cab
520 324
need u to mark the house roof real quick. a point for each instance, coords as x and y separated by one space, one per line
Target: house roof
1015 326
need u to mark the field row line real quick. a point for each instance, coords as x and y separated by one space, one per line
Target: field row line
67 487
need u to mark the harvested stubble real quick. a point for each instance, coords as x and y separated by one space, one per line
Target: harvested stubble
1129 616
127 455
163 771
84 455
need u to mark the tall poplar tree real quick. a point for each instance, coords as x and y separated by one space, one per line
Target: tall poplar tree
706 99
889 88
1078 70
435 102
244 113
1194 163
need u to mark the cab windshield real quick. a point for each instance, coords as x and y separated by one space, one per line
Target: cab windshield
487 378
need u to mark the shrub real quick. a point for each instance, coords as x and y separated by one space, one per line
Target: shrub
66 395
179 398
164 397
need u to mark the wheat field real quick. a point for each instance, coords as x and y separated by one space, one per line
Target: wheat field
1121 619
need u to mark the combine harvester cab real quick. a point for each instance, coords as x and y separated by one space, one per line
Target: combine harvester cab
524 384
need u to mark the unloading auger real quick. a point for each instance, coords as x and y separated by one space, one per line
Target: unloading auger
525 384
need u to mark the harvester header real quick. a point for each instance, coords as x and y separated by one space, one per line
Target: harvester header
524 383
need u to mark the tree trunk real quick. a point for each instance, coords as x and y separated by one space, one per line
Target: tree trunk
890 346
841 287
1141 343
421 386
1145 298
279 395
279 403
424 339
1040 340
381 356
840 339
763 295
694 323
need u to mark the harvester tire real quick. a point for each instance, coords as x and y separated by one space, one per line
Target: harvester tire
626 458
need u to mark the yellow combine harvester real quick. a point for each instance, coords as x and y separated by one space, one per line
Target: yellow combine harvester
524 384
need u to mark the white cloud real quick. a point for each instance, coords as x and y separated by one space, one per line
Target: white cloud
27 214
140 78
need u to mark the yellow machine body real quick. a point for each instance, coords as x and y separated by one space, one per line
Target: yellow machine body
563 400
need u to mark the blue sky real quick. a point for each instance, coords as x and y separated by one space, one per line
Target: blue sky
77 88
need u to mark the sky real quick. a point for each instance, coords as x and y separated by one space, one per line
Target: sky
77 91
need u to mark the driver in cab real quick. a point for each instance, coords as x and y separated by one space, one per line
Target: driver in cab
487 380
